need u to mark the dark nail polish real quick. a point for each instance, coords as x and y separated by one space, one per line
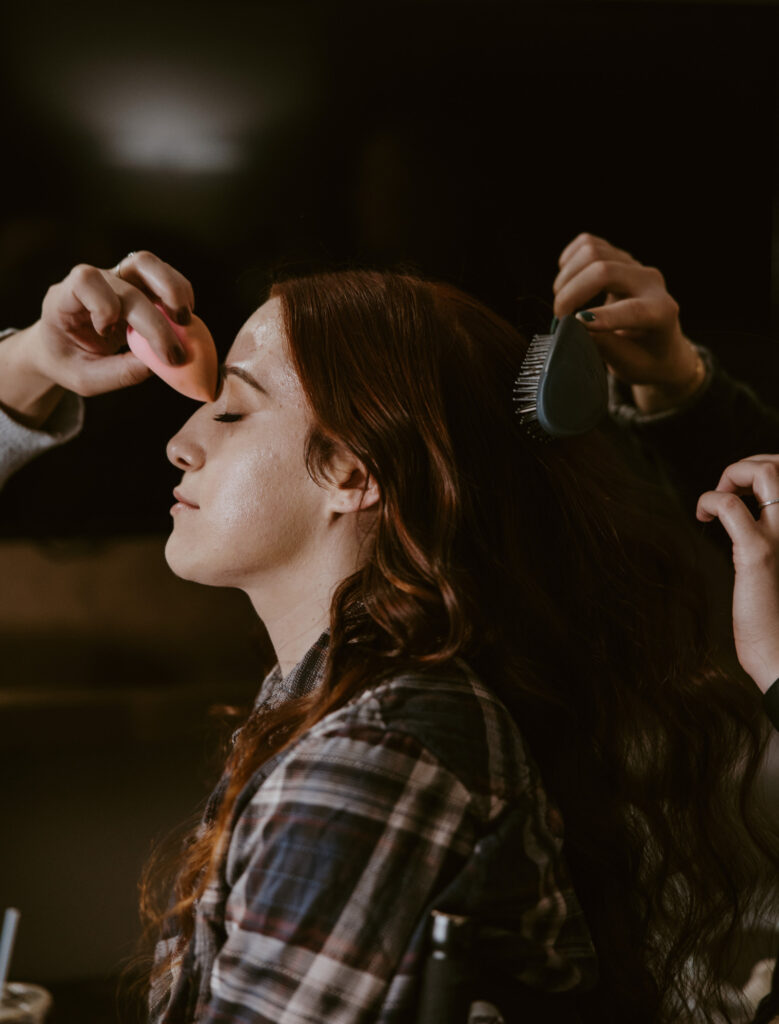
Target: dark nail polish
554 325
183 316
178 356
586 315
115 334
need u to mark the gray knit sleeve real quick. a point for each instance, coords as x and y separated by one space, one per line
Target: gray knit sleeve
20 444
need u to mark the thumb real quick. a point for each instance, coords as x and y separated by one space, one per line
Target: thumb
110 373
623 315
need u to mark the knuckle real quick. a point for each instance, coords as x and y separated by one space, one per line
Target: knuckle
767 474
600 269
656 276
765 469
729 502
84 273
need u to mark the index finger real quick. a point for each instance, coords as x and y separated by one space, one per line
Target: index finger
584 256
758 475
615 276
585 239
160 281
141 313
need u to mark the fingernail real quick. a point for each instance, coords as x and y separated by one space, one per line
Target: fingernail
115 333
183 316
178 356
585 315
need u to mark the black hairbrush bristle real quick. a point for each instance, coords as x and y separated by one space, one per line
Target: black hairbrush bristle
561 389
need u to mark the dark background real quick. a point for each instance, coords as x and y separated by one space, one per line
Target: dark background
470 140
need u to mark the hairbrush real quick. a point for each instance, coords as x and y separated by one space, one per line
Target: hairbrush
561 389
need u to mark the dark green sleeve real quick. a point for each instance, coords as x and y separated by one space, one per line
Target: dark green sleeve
723 423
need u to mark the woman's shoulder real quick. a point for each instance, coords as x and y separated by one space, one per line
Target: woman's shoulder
450 714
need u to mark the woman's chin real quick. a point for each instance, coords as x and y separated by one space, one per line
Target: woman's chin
183 562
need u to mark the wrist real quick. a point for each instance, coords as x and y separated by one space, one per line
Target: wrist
27 393
677 388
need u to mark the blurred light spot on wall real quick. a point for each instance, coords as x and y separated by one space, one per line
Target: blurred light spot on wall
151 118
167 136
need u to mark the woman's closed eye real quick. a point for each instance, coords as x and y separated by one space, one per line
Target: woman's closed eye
228 417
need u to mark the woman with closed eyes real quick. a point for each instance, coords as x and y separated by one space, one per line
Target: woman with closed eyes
493 694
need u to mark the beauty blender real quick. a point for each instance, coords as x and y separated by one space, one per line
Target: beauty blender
197 378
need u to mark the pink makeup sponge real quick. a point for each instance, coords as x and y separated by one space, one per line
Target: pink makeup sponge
197 378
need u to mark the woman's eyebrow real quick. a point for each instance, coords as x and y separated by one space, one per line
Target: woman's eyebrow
237 371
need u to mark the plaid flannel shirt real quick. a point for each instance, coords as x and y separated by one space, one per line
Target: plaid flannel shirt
418 794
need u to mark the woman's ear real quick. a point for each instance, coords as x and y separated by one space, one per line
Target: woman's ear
351 486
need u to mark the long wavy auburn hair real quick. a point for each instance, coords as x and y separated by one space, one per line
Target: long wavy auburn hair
568 586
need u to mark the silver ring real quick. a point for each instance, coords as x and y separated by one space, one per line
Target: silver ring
118 268
773 501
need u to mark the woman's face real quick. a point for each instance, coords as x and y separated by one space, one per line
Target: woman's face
249 508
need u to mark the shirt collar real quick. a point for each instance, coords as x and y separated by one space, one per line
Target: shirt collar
300 680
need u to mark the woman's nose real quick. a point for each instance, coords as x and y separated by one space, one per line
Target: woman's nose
184 451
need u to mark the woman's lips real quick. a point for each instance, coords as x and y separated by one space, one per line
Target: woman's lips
182 503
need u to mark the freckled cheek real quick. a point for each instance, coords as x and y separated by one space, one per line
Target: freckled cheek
252 483
265 489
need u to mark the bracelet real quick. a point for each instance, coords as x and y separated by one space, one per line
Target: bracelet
771 703
697 378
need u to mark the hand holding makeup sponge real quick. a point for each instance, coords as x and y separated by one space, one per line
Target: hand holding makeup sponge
197 378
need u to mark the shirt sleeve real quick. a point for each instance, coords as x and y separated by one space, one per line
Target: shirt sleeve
331 866
723 422
20 444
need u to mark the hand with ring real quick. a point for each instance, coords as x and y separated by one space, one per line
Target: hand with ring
76 343
755 557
